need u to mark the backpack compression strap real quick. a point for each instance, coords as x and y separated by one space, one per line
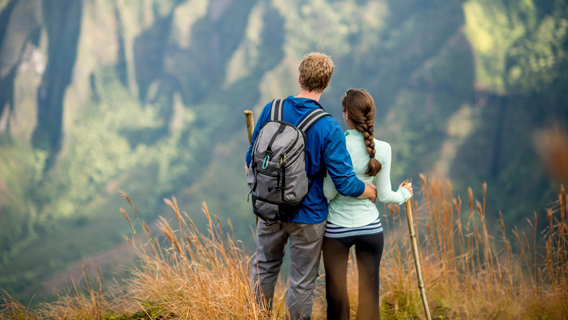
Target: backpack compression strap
276 111
311 118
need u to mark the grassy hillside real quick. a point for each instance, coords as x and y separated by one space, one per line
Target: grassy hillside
147 97
206 275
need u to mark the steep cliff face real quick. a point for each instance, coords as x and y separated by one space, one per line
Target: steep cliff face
147 96
520 49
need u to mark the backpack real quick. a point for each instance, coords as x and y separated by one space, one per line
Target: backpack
277 176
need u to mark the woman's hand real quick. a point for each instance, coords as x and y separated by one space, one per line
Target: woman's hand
407 186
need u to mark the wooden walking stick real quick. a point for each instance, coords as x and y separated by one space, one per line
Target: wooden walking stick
250 127
416 257
250 124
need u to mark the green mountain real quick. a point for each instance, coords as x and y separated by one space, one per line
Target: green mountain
148 96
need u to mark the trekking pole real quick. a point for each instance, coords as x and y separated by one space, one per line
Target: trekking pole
416 257
250 127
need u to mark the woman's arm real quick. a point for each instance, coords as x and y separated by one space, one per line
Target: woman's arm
329 190
383 183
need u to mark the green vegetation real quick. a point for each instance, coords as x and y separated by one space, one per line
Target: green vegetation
149 100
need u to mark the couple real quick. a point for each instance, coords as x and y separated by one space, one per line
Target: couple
338 211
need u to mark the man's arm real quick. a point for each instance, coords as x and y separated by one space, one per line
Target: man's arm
369 193
340 168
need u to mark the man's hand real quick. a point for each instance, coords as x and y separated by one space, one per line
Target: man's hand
369 193
246 169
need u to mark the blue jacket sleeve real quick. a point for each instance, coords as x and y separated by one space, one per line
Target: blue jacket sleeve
264 117
339 166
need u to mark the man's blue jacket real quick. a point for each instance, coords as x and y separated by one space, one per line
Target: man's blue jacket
325 142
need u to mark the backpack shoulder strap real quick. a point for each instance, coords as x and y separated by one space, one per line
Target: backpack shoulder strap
276 110
311 118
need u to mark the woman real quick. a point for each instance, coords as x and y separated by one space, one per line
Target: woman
355 222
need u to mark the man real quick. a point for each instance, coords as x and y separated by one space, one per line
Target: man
325 148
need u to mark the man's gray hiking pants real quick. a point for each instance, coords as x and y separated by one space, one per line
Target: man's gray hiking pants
305 249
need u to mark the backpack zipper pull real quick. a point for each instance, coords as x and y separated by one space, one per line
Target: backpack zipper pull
248 197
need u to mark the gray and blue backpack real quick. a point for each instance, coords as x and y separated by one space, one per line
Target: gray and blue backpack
277 177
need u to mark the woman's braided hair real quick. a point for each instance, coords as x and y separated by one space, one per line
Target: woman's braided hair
360 108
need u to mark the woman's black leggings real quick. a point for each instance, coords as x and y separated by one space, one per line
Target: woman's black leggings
368 250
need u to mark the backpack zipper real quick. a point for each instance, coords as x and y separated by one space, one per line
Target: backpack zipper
292 159
267 174
293 144
283 168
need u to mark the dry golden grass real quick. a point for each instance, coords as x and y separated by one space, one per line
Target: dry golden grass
12 309
469 274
